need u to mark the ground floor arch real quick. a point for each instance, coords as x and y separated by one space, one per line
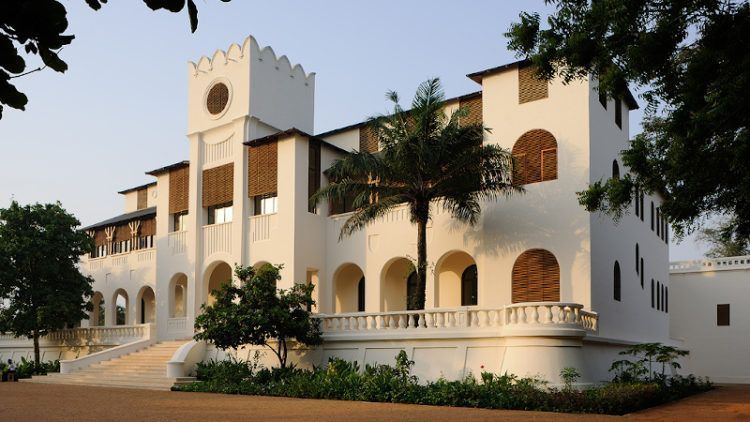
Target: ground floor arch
216 276
397 280
536 277
178 286
120 307
349 289
146 306
97 314
456 281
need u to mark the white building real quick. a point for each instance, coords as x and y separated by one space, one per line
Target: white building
539 284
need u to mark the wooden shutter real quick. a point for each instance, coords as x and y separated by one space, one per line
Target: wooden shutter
530 87
218 183
368 140
122 232
473 107
549 164
179 188
536 150
142 199
148 227
100 238
262 169
536 277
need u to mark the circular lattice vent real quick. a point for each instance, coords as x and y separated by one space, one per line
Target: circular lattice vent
217 98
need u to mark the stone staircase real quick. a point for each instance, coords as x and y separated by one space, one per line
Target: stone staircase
144 369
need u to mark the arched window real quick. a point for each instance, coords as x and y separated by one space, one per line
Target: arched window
615 170
469 288
535 157
536 277
637 259
411 291
616 281
361 295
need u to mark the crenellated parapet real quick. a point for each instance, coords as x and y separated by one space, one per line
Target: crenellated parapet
249 50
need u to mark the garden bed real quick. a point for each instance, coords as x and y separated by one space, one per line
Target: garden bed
342 380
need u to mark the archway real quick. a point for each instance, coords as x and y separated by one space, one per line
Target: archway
536 277
456 280
96 316
393 284
120 307
178 296
349 289
217 277
146 306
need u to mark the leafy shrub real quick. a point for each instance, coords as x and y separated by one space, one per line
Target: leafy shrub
343 380
26 368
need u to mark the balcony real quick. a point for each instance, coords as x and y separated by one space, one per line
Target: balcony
217 238
177 242
136 258
521 319
261 227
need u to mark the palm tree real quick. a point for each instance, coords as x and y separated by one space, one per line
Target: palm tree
425 157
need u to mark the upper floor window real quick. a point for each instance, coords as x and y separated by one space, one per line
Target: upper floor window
722 315
530 86
615 170
179 221
313 173
535 157
637 258
617 282
266 204
643 210
652 215
637 203
603 99
218 214
618 112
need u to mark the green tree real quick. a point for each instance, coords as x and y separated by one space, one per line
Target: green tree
43 290
692 58
37 27
724 240
258 313
426 158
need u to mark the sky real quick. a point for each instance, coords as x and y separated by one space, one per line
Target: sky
121 108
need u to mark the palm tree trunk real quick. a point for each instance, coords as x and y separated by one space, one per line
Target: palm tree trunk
36 347
421 262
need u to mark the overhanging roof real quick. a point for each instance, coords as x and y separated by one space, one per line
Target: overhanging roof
175 166
123 218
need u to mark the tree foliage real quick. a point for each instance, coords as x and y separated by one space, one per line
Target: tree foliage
37 27
692 58
40 246
723 240
426 157
258 313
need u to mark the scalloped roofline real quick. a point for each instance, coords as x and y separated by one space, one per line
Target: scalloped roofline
235 52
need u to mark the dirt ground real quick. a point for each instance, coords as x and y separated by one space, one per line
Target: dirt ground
39 402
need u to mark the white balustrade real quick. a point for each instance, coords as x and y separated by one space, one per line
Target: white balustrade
119 260
177 326
712 264
102 335
217 238
541 314
260 227
146 256
177 242
96 264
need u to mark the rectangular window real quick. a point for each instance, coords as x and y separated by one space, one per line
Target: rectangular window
652 216
643 210
722 315
603 99
313 174
218 214
637 201
658 296
658 221
618 112
266 204
653 298
179 221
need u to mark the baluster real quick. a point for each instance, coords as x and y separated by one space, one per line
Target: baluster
402 321
410 320
423 320
429 320
441 323
547 314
